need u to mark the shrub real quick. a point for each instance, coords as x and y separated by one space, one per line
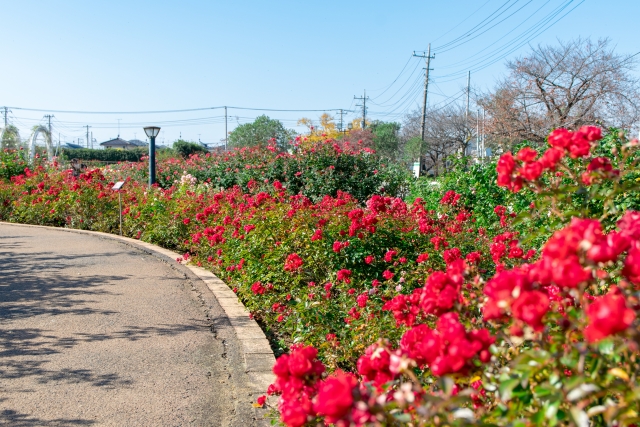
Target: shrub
322 169
108 155
187 148
12 163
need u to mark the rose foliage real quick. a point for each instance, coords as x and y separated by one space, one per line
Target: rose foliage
390 313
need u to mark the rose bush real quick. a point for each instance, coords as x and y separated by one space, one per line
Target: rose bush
388 313
314 170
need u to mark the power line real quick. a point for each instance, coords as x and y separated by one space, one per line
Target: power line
537 29
411 88
396 79
481 52
488 29
480 24
170 111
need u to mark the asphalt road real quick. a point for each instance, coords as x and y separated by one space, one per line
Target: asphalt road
96 332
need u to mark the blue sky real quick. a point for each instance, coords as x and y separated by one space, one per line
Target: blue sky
122 56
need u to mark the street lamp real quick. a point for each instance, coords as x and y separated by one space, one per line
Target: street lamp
152 132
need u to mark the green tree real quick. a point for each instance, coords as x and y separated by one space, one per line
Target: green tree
260 132
187 148
386 140
11 137
413 149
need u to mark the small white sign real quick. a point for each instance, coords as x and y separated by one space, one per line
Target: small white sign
118 185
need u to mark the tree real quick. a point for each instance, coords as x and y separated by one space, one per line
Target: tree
323 131
187 148
10 137
259 132
448 131
386 139
569 85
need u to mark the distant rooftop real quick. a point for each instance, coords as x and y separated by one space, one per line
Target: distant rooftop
123 144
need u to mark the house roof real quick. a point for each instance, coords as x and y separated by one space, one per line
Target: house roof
116 142
73 146
138 143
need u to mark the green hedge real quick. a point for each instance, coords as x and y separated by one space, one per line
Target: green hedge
108 155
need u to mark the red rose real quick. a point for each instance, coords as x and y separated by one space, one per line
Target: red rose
527 155
388 257
590 133
551 157
293 262
531 171
530 307
631 268
344 275
422 344
335 396
608 315
560 138
505 168
629 225
422 258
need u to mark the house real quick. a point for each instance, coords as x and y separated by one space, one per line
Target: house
118 143
121 144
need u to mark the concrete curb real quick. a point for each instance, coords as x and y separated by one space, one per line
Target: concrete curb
257 354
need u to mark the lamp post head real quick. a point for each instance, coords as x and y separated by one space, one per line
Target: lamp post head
152 131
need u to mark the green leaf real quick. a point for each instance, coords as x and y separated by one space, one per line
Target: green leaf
606 346
506 389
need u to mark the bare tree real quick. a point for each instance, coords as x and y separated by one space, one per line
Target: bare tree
569 85
448 131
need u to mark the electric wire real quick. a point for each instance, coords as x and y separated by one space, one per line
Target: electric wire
488 29
411 87
462 22
396 79
542 28
467 60
473 29
172 111
399 89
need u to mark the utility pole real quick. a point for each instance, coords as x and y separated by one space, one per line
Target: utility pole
477 132
468 93
49 116
226 132
6 110
341 125
466 117
92 140
483 134
364 108
87 126
428 59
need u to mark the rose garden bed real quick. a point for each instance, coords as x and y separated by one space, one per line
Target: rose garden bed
394 313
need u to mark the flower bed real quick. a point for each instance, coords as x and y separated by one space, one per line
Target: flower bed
392 313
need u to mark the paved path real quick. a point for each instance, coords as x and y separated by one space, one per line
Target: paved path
95 332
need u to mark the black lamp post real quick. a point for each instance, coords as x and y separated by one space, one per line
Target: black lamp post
152 132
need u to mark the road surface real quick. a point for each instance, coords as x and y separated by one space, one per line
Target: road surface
97 332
